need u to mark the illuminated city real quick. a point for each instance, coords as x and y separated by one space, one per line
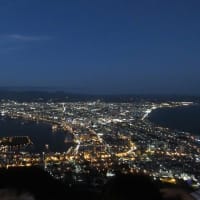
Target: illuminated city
100 100
103 138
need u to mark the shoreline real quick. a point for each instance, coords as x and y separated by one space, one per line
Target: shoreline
185 122
165 105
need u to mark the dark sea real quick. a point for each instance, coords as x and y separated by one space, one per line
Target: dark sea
40 134
186 118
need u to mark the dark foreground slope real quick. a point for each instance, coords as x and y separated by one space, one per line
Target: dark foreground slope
35 184
34 181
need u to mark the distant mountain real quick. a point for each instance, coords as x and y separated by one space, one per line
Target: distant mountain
52 94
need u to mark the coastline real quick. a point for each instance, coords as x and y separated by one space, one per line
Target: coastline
181 119
165 105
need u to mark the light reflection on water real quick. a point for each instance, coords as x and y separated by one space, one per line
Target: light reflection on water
40 134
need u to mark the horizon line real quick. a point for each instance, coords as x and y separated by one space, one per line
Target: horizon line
71 92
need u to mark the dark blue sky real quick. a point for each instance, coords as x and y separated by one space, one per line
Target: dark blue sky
136 46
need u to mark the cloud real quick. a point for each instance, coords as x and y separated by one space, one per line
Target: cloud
13 42
27 38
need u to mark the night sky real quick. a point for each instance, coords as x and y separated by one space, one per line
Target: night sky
101 46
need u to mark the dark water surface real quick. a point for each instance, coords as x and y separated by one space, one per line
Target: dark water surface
186 118
40 134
